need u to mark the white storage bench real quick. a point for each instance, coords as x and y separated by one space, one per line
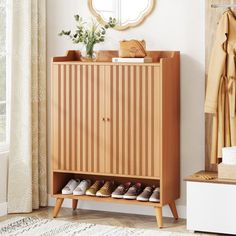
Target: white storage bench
211 204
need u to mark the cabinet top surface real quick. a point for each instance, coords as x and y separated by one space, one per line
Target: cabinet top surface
105 58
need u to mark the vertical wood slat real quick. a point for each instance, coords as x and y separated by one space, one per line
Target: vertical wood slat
129 129
89 119
55 104
149 131
152 119
62 117
138 130
92 118
73 102
145 117
79 117
110 114
108 120
113 95
125 120
69 165
67 117
140 124
122 109
98 117
132 120
83 132
144 124
119 121
96 121
101 105
157 120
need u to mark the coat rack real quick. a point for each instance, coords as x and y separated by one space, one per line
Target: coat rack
223 5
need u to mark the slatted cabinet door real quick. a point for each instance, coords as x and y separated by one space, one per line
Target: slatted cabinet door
78 131
133 120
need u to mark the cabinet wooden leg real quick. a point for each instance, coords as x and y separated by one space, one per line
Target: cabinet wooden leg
74 204
57 207
159 216
174 210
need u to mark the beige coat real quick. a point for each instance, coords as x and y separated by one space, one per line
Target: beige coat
221 87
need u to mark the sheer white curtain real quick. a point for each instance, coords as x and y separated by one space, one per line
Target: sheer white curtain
27 182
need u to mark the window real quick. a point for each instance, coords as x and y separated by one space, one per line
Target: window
4 86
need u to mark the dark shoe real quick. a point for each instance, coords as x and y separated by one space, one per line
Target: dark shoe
106 189
155 197
145 195
94 188
133 191
121 190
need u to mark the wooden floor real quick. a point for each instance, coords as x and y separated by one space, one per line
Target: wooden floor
108 218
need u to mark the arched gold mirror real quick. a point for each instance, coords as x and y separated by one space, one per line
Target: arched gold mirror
128 13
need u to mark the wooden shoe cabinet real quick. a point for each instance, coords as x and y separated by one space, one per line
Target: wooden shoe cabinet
116 121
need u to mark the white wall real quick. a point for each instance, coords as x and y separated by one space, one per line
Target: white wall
174 25
3 183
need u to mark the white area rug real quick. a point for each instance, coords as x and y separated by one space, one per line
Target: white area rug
34 226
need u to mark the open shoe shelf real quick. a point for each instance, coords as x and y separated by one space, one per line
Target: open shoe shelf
61 179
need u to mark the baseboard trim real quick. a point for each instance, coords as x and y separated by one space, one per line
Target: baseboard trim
3 209
119 208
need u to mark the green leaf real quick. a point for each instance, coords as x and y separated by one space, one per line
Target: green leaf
77 18
88 34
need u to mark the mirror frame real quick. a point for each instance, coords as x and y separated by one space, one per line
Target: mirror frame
124 27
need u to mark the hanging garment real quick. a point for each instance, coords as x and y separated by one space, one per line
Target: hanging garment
221 87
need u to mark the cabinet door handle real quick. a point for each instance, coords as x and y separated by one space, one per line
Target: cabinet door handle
103 119
108 119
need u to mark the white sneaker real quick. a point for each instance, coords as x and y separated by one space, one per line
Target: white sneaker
82 187
70 187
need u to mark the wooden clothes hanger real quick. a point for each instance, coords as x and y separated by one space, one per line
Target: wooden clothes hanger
229 6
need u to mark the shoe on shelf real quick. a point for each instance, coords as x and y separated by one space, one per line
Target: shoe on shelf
121 190
70 187
145 195
133 191
106 189
94 188
82 187
155 197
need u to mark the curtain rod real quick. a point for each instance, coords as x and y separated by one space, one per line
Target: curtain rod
222 5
